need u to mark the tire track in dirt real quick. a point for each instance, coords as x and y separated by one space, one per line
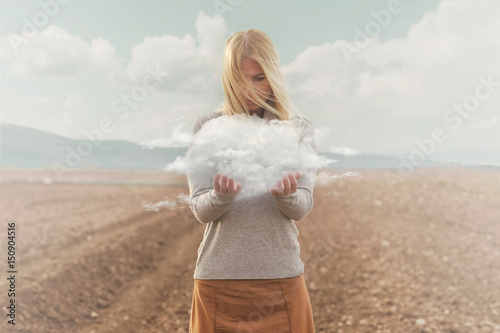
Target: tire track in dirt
159 297
89 276
77 247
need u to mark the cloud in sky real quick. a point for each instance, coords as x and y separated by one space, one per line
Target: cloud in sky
178 138
397 90
54 52
75 113
191 64
381 100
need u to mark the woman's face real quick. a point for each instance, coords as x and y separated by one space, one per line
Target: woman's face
256 76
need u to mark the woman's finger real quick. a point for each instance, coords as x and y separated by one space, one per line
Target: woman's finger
216 182
293 183
277 187
238 187
223 184
230 185
286 184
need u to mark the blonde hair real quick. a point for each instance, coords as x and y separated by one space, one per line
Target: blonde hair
254 44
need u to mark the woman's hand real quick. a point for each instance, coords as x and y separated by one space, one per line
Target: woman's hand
286 185
225 185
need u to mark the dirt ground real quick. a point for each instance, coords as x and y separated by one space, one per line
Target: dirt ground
420 256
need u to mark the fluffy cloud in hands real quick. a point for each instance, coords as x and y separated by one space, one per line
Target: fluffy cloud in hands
253 151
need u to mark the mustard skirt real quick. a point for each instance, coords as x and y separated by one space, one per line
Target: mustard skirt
251 305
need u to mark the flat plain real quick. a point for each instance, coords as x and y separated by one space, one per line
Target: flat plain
115 251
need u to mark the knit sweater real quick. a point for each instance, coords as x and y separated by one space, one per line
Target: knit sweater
250 238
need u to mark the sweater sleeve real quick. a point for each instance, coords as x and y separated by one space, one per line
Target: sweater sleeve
206 204
298 204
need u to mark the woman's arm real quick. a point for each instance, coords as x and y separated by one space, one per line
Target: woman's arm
297 205
206 204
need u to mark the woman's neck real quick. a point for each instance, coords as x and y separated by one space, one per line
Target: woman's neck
259 112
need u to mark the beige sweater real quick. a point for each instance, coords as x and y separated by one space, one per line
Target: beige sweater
249 238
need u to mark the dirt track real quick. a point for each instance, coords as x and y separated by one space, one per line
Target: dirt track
423 256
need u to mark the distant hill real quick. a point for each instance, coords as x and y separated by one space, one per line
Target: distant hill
26 147
372 161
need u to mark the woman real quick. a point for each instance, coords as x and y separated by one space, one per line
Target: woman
249 276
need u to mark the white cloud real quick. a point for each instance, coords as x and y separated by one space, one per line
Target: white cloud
190 68
346 151
46 101
325 178
396 90
54 52
75 116
257 154
485 123
211 32
179 137
192 63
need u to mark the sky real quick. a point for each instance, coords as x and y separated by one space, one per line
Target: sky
414 79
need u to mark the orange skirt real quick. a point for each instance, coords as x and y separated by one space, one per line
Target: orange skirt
251 305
